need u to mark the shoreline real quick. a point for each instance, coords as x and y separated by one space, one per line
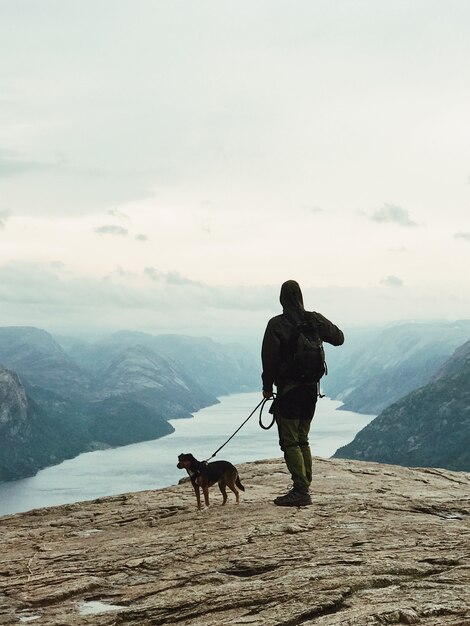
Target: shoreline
152 464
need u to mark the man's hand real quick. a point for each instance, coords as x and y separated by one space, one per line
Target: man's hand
267 394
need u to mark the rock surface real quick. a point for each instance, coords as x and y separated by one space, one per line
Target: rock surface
380 545
13 403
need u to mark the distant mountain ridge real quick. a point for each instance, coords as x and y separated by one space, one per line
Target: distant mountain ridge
39 359
428 427
35 433
217 368
80 396
378 366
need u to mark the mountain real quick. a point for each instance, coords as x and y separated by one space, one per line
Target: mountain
14 422
40 360
96 424
428 427
41 428
61 398
219 369
27 441
140 374
378 366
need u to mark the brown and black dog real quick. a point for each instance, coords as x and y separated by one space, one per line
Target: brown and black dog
203 475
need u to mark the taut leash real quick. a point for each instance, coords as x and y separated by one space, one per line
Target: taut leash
261 404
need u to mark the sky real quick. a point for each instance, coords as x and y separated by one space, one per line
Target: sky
165 166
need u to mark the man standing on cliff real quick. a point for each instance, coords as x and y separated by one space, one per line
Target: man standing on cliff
297 391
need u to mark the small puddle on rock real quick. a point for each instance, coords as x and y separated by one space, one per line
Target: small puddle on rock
94 607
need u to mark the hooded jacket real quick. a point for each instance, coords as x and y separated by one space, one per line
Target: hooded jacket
276 337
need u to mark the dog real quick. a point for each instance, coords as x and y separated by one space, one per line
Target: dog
203 475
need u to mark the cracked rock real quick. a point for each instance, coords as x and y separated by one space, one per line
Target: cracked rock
379 545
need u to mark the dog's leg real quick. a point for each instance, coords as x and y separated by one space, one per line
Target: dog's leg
198 496
231 486
223 491
205 491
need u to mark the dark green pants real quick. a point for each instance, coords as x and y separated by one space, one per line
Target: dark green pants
294 412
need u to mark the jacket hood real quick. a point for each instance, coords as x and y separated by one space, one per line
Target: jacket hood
292 300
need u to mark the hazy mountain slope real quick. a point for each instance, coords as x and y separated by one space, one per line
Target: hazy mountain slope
120 421
27 441
88 425
455 364
14 422
40 360
40 428
139 374
375 368
120 390
218 369
429 427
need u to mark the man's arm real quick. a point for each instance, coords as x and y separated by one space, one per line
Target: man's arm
271 358
328 331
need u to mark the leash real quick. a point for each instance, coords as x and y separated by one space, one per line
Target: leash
261 404
260 421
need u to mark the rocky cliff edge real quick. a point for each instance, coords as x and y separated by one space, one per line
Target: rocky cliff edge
380 545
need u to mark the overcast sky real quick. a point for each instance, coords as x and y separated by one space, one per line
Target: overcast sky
166 165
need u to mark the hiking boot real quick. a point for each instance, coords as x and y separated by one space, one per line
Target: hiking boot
293 498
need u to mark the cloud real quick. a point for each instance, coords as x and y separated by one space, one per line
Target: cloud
154 275
119 214
170 278
46 296
62 301
111 229
4 215
464 236
392 281
175 278
309 208
13 164
58 265
109 117
394 214
141 237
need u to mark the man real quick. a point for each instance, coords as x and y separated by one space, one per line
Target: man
295 398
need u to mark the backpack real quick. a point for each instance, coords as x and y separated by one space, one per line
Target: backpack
305 355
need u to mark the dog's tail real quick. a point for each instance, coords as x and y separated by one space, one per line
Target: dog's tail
238 482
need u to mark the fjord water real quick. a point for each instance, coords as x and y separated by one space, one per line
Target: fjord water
152 464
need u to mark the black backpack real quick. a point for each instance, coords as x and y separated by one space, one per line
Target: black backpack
305 355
